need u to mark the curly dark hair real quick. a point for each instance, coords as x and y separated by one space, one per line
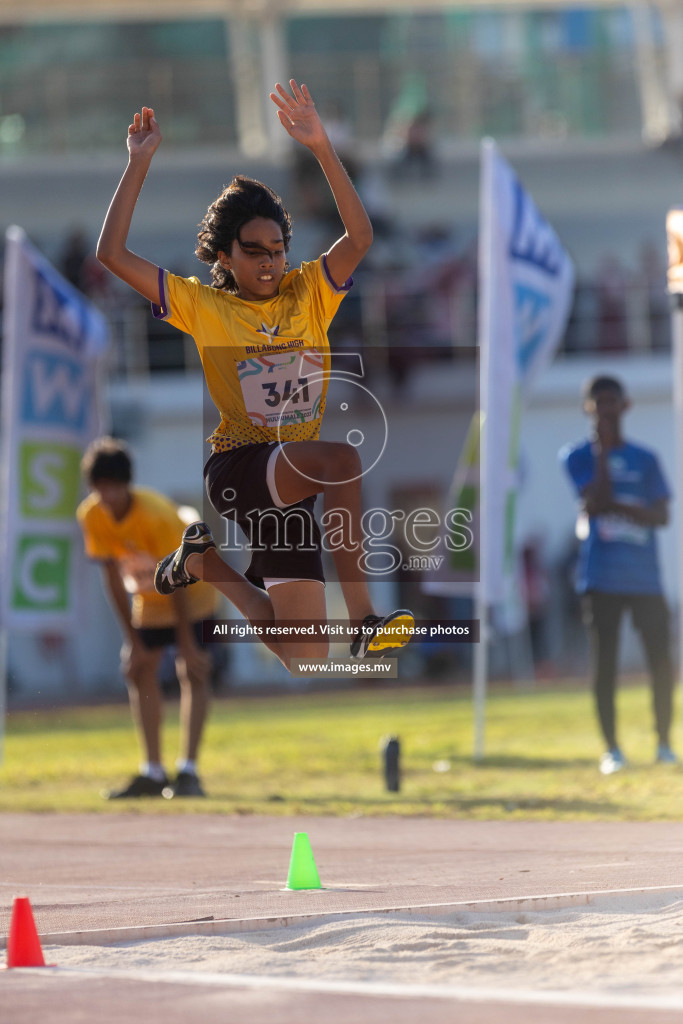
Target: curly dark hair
107 458
242 200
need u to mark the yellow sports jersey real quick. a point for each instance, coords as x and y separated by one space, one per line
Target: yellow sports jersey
151 529
266 362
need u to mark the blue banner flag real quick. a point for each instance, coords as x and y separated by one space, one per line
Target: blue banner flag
54 343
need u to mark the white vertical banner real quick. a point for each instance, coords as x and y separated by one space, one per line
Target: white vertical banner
674 234
526 282
54 341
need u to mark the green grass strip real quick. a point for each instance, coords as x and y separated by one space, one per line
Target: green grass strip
320 754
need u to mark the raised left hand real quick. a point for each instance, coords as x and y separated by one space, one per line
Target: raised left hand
298 115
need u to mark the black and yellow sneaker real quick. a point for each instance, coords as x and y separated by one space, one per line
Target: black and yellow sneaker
170 572
139 785
378 635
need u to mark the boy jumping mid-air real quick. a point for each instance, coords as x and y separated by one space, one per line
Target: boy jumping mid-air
261 332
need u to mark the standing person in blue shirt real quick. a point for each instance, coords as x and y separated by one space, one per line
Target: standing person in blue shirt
624 498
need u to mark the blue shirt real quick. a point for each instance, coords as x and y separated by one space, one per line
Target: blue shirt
616 555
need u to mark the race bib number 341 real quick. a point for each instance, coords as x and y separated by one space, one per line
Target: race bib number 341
280 389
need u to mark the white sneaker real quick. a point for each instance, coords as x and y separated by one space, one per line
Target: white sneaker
612 761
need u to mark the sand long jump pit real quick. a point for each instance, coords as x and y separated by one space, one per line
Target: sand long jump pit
613 949
429 937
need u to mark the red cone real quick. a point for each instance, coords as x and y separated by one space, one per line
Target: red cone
23 944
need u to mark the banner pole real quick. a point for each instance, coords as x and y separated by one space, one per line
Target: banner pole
480 681
4 680
677 353
487 290
674 237
7 407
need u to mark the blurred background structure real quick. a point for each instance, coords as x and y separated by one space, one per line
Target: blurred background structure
585 102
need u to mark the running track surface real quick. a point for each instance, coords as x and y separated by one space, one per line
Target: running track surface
101 873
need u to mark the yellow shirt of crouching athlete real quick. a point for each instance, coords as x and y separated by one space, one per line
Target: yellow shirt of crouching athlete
151 528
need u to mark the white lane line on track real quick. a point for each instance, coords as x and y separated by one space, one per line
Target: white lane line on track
460 993
96 887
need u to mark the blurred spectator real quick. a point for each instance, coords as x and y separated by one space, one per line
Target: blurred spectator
430 304
371 188
623 498
569 604
74 252
80 266
622 308
536 586
652 279
612 288
338 128
413 139
311 191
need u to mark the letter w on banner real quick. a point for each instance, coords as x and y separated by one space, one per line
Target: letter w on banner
53 352
526 282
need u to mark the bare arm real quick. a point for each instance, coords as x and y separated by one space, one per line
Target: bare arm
656 514
118 599
300 119
597 496
144 137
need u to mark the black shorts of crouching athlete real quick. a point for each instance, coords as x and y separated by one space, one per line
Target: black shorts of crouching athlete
284 542
165 636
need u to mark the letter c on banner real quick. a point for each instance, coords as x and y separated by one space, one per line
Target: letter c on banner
41 593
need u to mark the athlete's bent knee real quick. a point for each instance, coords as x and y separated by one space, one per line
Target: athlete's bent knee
344 463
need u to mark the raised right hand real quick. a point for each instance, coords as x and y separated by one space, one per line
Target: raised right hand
144 134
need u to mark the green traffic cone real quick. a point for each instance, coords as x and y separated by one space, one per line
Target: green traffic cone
303 874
